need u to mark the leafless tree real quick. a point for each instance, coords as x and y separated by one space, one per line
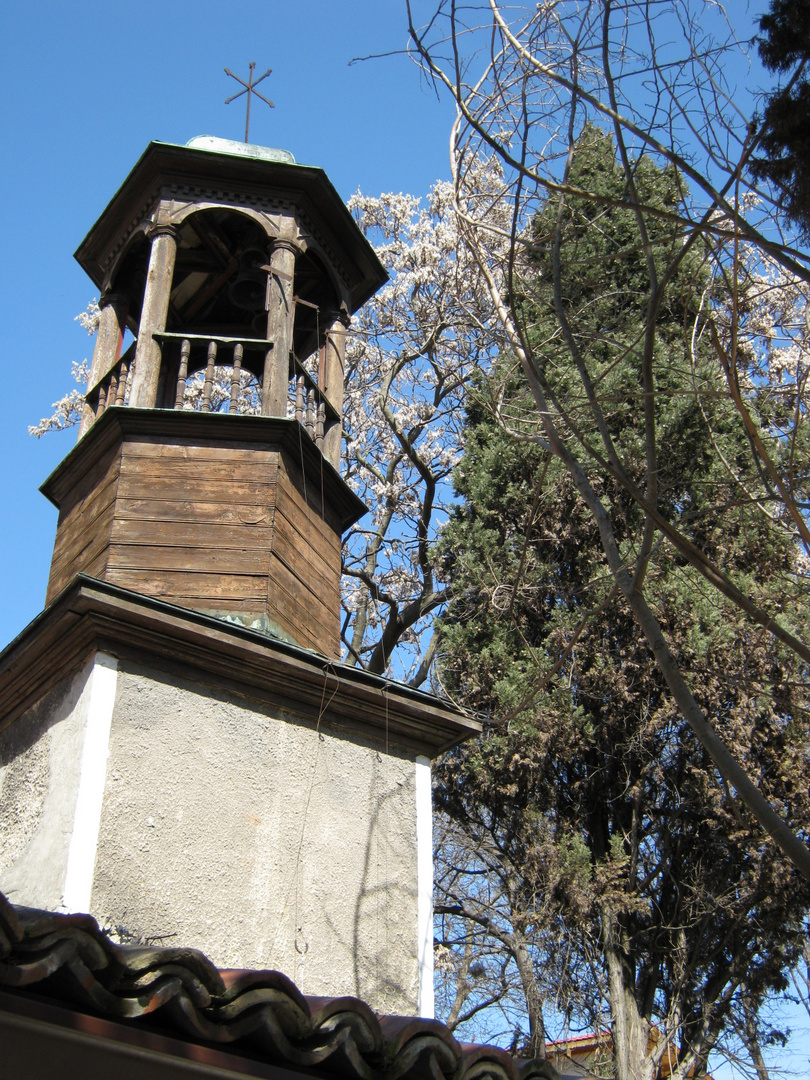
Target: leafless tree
412 351
658 76
663 80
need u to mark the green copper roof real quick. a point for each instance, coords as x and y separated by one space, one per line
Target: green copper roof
240 149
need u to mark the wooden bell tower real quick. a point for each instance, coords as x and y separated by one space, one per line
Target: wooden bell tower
236 270
181 751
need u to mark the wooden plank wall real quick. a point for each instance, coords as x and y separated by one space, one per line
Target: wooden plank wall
305 573
217 528
194 524
225 529
85 524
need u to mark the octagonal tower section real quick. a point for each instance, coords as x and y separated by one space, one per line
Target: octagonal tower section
206 472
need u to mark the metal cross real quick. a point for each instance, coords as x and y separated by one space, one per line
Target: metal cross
250 88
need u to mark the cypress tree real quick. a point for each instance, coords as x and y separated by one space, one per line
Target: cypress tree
785 138
599 799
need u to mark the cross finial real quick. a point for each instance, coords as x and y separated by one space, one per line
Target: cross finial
250 88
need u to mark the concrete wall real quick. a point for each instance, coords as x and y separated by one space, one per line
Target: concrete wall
182 815
231 827
51 773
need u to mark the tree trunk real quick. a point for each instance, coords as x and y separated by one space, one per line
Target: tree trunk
534 999
631 1031
750 1037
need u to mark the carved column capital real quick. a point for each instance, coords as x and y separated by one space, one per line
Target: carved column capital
165 229
108 297
285 243
342 316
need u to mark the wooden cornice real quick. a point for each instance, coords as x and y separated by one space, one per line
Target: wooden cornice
164 168
91 615
221 428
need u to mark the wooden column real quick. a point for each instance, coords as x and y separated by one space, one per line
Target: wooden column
331 382
280 317
143 393
109 339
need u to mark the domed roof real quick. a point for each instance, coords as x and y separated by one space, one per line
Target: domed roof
240 149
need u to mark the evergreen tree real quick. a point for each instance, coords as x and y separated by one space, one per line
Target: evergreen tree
785 138
633 873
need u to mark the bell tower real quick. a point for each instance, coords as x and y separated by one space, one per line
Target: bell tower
182 753
206 473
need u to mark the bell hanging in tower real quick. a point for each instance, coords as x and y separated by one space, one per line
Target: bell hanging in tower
206 472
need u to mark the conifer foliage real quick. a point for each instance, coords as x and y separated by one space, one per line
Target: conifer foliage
785 137
624 880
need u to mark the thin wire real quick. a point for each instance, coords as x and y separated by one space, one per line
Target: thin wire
387 867
386 685
320 388
303 470
328 667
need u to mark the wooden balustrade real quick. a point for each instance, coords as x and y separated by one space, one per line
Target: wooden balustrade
112 388
218 352
203 354
310 406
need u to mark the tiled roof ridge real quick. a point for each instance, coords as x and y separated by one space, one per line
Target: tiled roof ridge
70 958
582 1037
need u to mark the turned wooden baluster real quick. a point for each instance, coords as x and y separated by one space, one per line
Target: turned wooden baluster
310 414
299 399
236 375
101 402
209 376
123 372
319 426
182 375
112 389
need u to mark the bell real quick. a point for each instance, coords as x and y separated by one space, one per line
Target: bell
247 290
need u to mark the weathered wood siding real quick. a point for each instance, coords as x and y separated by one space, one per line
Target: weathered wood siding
85 523
224 529
305 572
193 524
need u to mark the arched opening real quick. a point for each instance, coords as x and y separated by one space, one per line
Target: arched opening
214 350
316 304
218 289
128 278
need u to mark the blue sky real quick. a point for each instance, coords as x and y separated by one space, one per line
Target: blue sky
85 87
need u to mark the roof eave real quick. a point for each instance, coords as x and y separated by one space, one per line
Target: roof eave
164 163
91 615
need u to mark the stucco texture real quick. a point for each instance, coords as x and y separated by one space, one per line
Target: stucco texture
260 838
40 764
